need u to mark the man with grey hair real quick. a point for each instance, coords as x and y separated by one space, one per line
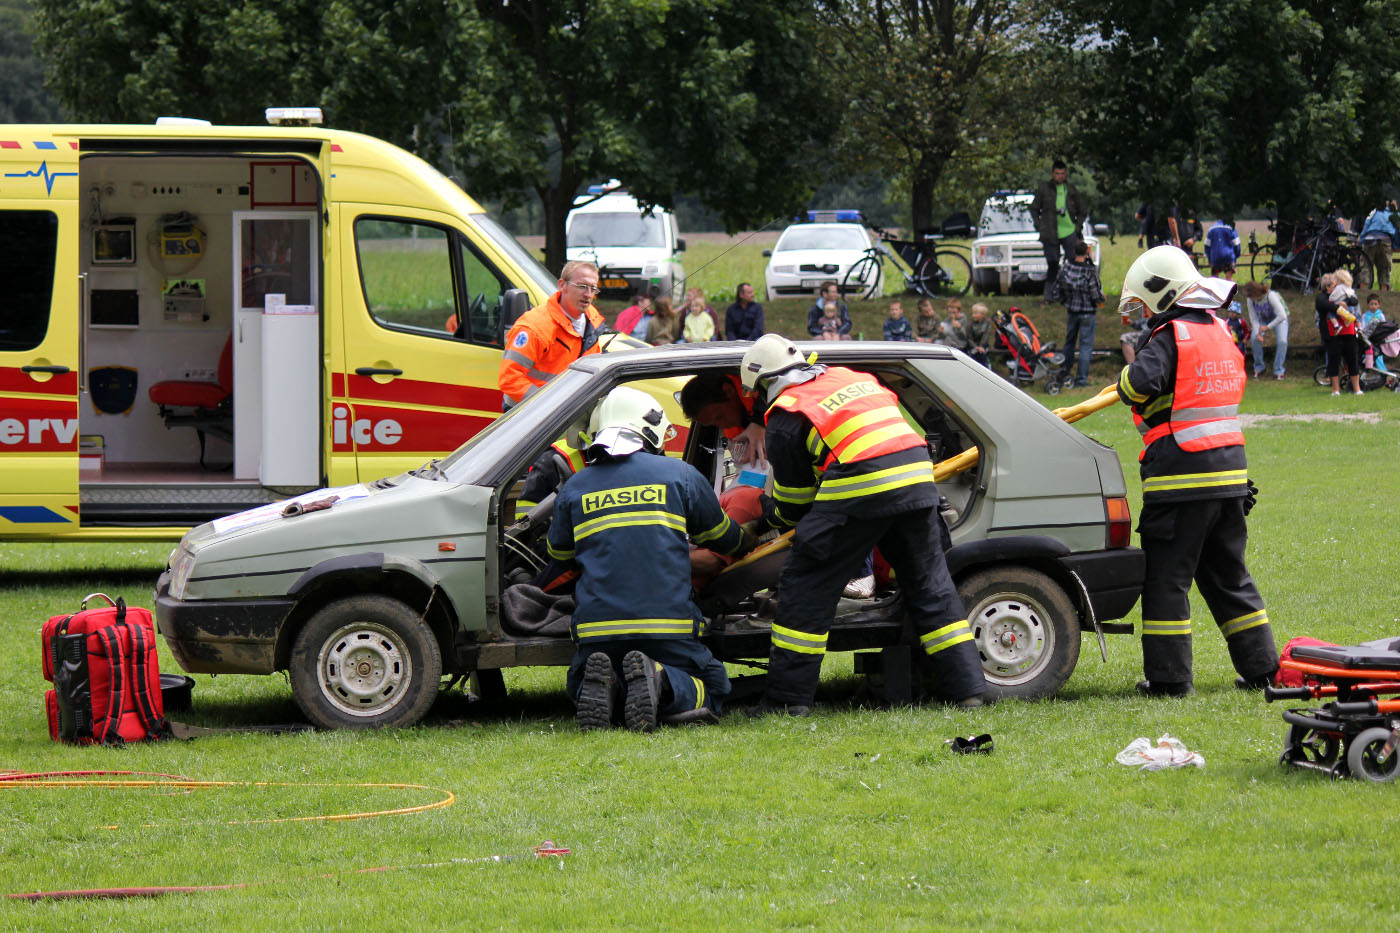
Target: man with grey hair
549 337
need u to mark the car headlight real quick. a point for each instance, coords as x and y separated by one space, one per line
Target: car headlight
181 566
988 254
651 268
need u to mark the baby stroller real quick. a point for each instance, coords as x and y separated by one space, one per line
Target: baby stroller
1029 358
1356 733
1380 363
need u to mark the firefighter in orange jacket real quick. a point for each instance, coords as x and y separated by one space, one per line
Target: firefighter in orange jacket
548 337
851 475
1185 386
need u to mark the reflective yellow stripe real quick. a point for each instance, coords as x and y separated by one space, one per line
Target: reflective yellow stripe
715 532
1162 402
625 627
814 443
699 692
861 444
785 400
1235 626
624 519
954 633
558 554
798 495
1194 480
791 522
868 484
1128 389
856 423
800 642
1182 627
522 508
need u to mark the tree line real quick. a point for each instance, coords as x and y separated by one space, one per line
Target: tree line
750 107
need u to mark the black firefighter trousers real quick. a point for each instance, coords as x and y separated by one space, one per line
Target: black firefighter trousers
1202 540
827 552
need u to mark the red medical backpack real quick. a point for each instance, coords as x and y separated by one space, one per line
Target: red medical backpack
106 676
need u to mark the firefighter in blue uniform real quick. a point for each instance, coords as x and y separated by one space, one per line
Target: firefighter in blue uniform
624 522
851 475
1185 386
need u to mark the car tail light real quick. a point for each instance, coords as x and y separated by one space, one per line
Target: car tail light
1120 521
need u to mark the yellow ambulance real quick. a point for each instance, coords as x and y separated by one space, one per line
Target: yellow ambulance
201 319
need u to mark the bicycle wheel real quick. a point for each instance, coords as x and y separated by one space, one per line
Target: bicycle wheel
863 279
1372 379
1262 263
1354 260
945 274
1320 376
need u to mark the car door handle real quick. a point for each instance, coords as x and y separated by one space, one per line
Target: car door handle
375 371
56 370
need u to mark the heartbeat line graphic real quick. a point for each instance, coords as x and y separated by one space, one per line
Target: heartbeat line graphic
42 172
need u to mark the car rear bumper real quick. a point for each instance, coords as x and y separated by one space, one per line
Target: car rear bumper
220 636
1113 579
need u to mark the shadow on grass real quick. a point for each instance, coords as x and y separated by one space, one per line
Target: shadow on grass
134 579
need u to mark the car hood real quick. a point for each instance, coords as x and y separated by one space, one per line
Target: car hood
818 257
619 255
251 556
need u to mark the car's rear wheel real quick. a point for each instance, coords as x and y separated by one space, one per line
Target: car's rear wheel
363 662
1025 628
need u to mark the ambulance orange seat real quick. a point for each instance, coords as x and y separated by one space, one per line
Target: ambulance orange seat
212 402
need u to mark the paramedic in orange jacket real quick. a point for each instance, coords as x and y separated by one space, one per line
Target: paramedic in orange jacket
548 337
1185 386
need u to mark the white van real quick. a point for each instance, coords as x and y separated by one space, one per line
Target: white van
636 251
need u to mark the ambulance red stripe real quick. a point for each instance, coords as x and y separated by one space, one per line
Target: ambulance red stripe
12 379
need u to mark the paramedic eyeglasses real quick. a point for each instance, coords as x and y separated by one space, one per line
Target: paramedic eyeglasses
586 289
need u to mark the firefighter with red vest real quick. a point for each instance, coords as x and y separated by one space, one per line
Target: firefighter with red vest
549 337
850 474
1185 386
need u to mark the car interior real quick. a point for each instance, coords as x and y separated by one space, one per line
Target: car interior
743 596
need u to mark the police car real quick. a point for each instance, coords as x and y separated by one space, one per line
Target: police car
820 249
368 594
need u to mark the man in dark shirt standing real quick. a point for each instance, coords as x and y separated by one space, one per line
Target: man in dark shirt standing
744 319
1059 213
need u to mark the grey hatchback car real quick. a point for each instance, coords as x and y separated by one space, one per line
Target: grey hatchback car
368 601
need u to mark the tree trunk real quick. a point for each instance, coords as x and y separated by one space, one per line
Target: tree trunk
558 200
921 196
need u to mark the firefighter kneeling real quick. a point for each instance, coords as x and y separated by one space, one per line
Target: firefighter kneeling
1185 386
623 522
851 475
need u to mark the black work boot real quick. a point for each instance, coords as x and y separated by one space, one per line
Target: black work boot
766 707
597 695
704 716
1165 688
645 685
1257 682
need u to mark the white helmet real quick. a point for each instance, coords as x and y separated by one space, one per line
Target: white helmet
628 420
770 355
1163 278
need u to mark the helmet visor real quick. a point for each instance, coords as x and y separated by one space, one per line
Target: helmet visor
618 441
1207 294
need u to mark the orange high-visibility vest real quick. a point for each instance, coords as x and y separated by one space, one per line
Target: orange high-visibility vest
857 418
1205 402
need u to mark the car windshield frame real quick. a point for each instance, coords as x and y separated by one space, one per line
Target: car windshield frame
474 462
501 238
622 229
808 238
1005 216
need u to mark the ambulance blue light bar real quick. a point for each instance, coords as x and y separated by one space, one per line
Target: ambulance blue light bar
831 217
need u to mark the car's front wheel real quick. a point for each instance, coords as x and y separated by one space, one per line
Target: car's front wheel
363 662
1025 628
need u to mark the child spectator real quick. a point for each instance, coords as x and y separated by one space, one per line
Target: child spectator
830 323
830 298
1078 288
897 325
1372 316
953 331
662 328
1238 327
698 321
927 324
980 335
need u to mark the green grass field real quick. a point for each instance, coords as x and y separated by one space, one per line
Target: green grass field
851 818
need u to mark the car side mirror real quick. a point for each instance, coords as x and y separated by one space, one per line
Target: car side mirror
514 303
680 244
767 252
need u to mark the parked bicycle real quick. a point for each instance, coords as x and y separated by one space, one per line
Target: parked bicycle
1314 248
928 270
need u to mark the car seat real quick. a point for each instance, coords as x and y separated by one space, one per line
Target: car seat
212 402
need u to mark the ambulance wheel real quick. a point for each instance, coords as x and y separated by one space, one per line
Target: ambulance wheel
363 662
1025 628
1312 746
1363 756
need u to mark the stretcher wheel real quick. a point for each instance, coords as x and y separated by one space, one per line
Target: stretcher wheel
1363 754
1311 746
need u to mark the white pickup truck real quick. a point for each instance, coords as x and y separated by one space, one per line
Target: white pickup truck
1007 256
